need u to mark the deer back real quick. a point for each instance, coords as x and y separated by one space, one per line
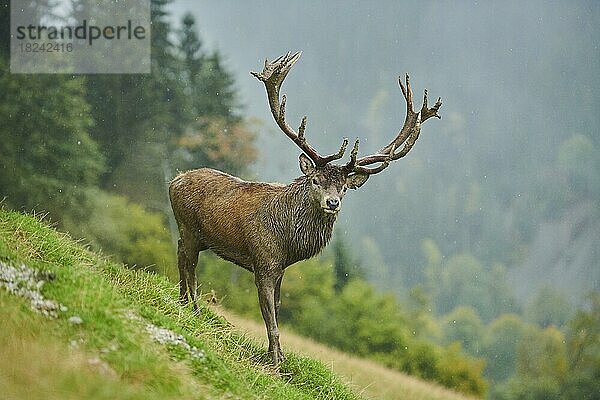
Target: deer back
222 213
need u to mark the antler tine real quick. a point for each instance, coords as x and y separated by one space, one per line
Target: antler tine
426 112
302 128
350 165
410 116
406 91
273 75
353 166
336 156
409 133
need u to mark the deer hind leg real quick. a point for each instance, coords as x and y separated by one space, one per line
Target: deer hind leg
266 285
187 258
278 298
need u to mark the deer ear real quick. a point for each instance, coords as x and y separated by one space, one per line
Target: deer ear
306 165
357 180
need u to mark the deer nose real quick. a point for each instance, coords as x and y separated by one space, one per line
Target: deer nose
333 203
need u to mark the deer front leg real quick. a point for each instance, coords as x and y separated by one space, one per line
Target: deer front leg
266 284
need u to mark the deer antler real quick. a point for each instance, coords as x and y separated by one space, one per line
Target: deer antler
409 134
273 75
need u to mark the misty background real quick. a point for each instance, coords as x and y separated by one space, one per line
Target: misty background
509 174
472 262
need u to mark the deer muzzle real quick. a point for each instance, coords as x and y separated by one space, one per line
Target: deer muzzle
332 205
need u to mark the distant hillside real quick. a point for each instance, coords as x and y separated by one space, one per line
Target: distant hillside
564 254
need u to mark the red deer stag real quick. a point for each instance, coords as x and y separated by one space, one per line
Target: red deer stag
266 227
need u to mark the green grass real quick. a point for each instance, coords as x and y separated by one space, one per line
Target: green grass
111 355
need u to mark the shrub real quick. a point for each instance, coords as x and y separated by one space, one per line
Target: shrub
461 373
124 230
527 389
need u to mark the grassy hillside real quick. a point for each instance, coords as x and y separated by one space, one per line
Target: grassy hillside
104 340
372 379
78 326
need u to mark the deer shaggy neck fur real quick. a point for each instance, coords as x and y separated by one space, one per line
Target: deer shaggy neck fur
301 228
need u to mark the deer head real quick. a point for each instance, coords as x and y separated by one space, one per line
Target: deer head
329 182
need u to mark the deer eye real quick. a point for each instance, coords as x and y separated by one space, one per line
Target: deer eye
344 189
315 181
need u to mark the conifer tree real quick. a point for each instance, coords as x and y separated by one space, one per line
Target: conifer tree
345 267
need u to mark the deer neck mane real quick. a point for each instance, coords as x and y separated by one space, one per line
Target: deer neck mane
301 224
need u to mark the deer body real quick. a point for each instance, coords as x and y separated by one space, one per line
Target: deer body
266 227
262 227
249 223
